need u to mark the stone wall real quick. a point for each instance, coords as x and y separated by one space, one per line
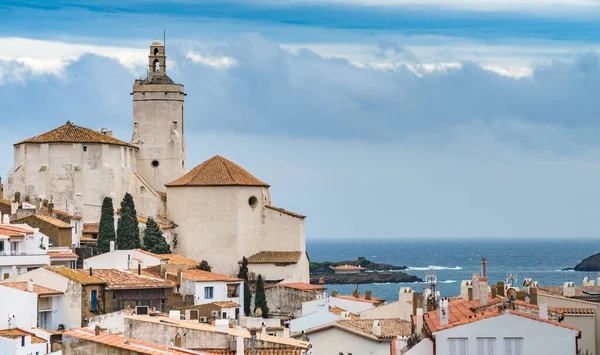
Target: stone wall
287 301
59 237
86 295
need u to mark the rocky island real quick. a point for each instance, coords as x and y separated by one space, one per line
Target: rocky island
360 271
591 263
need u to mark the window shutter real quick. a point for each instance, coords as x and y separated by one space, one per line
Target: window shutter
481 346
463 346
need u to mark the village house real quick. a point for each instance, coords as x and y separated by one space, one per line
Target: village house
49 303
285 299
348 303
406 306
18 307
316 319
22 248
280 266
358 336
17 341
63 257
134 258
83 295
208 287
60 233
208 312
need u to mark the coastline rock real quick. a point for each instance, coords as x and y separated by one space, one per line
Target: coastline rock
591 263
364 278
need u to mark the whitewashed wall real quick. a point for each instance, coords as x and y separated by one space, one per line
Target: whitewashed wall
335 341
20 303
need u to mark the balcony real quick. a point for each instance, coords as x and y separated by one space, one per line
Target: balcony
19 258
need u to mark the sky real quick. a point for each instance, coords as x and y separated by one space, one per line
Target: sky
375 118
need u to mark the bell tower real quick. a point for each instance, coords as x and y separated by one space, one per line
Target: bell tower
158 123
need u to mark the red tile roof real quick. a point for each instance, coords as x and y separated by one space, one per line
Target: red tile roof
38 289
203 276
281 210
12 231
62 255
16 333
301 286
91 228
217 171
275 257
361 298
122 280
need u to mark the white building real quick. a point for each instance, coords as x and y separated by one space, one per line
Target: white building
131 259
22 248
49 303
20 342
208 287
18 308
351 304
217 202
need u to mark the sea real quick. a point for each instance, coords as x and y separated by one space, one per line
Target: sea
452 260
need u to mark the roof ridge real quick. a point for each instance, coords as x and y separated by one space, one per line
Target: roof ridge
222 160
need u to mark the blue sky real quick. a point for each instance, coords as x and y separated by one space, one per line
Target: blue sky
376 118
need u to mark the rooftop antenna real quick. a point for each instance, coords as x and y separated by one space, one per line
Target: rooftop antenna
431 279
165 40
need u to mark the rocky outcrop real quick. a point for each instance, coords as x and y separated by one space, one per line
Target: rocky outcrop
365 278
591 263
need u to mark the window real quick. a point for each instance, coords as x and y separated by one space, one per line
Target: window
23 341
458 346
76 225
224 315
155 163
93 299
253 201
1 247
513 346
232 291
486 346
208 293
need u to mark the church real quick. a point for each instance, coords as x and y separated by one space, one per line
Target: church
217 211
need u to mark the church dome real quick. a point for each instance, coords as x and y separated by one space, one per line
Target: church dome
217 171
156 43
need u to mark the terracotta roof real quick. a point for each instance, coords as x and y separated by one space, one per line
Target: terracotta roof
576 310
87 239
580 291
5 202
390 328
338 311
302 286
465 312
74 275
217 171
91 228
62 213
122 280
38 289
285 211
226 304
12 231
162 194
16 333
176 259
361 298
275 257
70 133
347 267
203 276
62 255
128 344
48 219
142 219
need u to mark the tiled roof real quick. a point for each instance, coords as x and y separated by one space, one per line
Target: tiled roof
580 291
123 280
226 304
144 220
88 239
50 220
217 171
390 328
347 267
285 211
338 311
5 202
62 255
70 133
62 213
74 275
15 333
38 289
573 310
176 259
301 286
274 257
13 231
91 228
361 298
203 276
465 312
120 342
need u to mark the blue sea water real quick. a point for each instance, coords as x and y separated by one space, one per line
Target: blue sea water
456 260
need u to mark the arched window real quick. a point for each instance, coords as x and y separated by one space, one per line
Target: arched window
156 65
155 51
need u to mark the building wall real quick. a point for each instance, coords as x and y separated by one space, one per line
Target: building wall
77 346
298 272
58 237
390 310
219 292
335 341
287 300
20 303
158 129
118 259
162 334
348 305
75 179
13 346
147 201
590 339
538 337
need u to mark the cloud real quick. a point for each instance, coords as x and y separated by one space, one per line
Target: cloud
362 151
216 62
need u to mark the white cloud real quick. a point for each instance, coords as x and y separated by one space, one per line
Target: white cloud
215 62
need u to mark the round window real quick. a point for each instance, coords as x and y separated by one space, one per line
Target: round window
155 163
253 201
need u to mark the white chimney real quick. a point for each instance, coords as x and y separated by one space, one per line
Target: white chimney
286 332
112 245
544 311
239 345
476 289
406 303
419 321
30 285
465 285
588 282
6 219
483 291
568 289
263 328
377 328
175 315
444 316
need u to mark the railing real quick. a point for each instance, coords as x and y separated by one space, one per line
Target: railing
18 252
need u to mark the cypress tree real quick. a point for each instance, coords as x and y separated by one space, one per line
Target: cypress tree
106 229
154 241
260 300
243 274
205 266
128 232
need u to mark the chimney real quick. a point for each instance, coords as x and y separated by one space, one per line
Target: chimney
416 302
30 285
179 277
139 269
110 133
521 295
483 291
533 296
444 312
50 207
6 219
97 330
544 311
376 328
419 321
568 289
112 245
470 293
45 203
464 289
483 268
500 290
17 196
476 288
263 328
494 291
27 198
90 271
286 332
239 345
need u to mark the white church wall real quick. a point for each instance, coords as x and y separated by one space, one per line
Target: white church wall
283 231
251 237
147 201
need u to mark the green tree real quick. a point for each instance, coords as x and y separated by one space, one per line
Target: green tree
260 299
128 232
243 274
154 241
204 265
106 229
